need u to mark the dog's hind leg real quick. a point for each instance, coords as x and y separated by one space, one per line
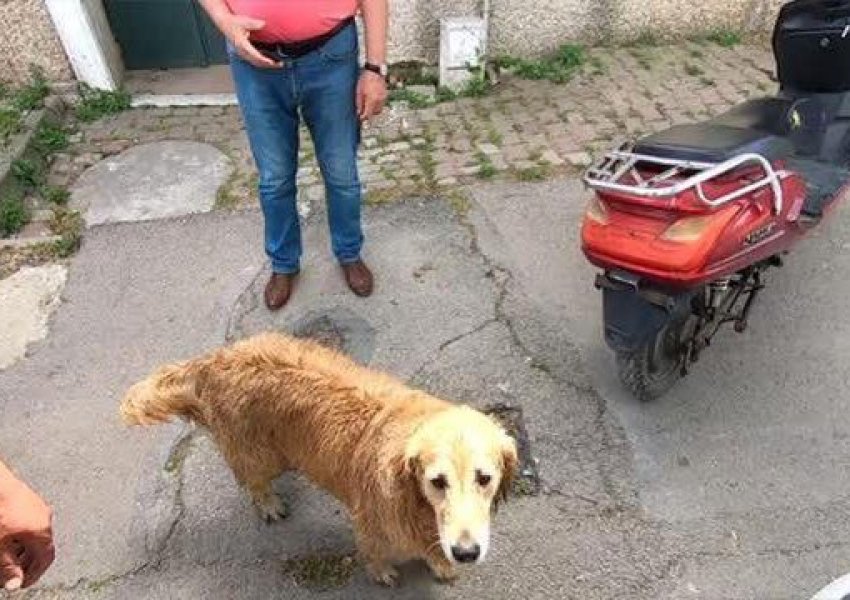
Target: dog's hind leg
269 504
256 476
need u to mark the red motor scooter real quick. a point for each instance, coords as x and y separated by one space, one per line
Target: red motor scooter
685 222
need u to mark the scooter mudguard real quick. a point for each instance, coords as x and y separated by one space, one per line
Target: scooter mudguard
633 317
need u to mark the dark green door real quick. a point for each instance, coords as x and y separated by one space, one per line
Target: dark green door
164 34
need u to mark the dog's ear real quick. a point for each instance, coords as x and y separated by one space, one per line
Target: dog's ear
401 468
509 464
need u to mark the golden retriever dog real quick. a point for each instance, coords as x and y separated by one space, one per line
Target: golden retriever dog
419 476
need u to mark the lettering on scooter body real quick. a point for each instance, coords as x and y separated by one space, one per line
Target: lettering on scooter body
760 234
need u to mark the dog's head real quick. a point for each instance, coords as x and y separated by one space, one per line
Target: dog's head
463 464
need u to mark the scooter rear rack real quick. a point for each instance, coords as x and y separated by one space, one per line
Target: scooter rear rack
607 173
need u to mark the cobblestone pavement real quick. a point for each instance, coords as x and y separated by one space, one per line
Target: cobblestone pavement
526 130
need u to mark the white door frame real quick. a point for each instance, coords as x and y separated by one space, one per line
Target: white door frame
85 34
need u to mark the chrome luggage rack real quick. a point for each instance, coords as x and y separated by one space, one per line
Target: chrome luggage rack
607 173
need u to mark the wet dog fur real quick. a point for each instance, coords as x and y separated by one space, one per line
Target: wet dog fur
420 476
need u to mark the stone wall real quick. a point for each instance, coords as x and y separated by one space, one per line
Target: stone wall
534 27
519 27
27 37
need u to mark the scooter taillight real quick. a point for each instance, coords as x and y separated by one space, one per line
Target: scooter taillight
628 236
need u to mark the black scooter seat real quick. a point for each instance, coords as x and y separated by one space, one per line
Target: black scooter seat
713 142
762 126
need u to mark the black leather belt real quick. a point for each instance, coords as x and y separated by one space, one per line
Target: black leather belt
298 49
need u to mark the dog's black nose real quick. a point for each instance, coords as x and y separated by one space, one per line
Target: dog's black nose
466 555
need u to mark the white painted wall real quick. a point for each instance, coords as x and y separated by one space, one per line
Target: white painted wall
88 42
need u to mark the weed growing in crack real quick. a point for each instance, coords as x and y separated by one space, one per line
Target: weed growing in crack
95 104
559 67
535 173
51 138
13 212
321 572
486 170
725 38
32 95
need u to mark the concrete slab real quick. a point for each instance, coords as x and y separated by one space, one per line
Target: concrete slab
27 299
137 295
151 181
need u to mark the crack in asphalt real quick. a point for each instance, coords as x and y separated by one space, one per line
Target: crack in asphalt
245 303
177 458
503 278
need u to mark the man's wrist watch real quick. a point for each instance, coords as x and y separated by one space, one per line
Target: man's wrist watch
377 69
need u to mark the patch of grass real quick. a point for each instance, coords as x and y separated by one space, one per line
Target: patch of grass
51 138
693 70
535 173
523 487
486 170
459 202
475 88
28 172
95 104
69 225
321 573
13 213
414 99
32 95
55 194
697 53
428 164
445 94
226 196
381 196
559 67
10 123
494 137
725 38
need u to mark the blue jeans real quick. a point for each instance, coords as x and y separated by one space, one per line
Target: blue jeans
320 87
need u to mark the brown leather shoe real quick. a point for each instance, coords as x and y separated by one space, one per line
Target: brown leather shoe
359 278
279 289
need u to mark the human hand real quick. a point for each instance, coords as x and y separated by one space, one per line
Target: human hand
237 29
371 95
26 536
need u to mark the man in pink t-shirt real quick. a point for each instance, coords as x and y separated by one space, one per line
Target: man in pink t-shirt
294 59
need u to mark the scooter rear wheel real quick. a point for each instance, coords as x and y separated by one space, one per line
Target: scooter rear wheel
650 371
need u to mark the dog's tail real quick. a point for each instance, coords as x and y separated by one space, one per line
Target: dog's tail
169 392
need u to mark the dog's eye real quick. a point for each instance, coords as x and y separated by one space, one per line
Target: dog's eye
483 479
440 482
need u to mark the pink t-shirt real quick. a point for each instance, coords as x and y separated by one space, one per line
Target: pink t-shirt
294 20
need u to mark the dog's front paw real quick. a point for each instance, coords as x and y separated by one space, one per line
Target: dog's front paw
443 572
383 574
271 508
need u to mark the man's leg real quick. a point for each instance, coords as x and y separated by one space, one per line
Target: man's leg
269 108
328 84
